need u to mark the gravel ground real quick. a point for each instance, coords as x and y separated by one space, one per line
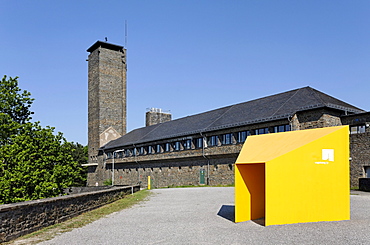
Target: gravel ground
205 216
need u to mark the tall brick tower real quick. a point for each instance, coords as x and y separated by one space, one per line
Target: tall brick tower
107 95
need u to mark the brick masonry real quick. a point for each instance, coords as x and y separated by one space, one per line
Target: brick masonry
155 116
18 219
183 167
360 156
106 94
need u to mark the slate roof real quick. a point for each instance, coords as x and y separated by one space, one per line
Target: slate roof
106 45
274 107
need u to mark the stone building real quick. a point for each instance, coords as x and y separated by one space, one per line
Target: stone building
202 149
107 95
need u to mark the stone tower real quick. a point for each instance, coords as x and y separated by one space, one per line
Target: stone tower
107 95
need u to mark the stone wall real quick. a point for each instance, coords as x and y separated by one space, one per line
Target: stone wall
316 119
360 156
167 174
18 219
182 167
106 94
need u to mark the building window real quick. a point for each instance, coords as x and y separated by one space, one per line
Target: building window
158 149
358 129
282 128
119 154
262 131
128 152
135 151
242 136
109 155
367 171
187 144
198 142
142 151
177 146
227 139
168 147
150 150
213 140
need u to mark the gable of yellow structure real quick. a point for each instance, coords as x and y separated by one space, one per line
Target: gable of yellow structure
263 148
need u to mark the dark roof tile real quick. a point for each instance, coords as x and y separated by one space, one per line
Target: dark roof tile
264 109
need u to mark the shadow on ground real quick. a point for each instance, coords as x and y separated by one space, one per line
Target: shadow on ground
228 212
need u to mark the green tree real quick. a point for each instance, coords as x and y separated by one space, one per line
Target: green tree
80 155
13 101
35 162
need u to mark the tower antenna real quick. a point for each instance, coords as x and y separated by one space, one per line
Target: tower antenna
126 34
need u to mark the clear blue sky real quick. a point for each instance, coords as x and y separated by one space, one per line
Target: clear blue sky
185 56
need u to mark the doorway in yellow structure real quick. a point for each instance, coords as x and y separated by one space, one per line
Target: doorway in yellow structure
253 193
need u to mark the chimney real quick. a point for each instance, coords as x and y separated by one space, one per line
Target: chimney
156 115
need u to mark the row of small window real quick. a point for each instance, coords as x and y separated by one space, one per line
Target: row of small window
358 129
227 139
197 143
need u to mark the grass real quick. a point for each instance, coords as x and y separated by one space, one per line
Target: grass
81 220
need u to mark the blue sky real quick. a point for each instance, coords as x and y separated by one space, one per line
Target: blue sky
185 56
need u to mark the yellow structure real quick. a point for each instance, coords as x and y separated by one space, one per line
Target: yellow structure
294 177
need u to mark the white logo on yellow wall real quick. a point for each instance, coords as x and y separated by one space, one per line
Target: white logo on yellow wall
327 155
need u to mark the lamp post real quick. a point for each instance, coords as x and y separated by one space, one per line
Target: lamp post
114 153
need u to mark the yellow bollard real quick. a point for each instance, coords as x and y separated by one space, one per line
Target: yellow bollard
148 182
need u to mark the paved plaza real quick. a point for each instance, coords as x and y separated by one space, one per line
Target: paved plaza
205 216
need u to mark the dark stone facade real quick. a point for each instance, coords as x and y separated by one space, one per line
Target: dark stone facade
360 156
18 219
107 93
184 166
359 144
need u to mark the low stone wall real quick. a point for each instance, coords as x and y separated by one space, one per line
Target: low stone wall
83 189
18 219
364 184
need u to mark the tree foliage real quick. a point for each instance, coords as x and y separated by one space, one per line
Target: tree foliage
14 102
34 161
80 155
